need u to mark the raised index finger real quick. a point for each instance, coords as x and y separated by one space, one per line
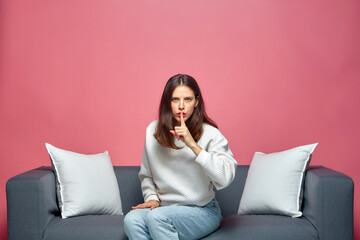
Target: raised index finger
182 119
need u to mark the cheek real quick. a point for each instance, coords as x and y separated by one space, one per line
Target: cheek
190 107
173 107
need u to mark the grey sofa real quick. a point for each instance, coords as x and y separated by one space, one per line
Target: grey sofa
327 209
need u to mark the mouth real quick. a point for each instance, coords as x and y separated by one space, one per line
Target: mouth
184 114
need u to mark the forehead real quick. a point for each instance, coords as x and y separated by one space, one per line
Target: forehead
183 90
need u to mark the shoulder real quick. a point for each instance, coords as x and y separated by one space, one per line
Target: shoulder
151 128
210 132
212 139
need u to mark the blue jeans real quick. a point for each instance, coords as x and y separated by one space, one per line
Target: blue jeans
173 222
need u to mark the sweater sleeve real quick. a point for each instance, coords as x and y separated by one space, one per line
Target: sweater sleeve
147 184
218 162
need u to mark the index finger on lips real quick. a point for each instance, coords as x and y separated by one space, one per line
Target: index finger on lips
182 119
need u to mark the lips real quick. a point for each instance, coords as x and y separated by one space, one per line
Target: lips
184 114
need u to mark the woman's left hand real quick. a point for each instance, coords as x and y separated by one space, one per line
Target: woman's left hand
182 133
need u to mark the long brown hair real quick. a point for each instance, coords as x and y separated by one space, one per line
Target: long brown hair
167 122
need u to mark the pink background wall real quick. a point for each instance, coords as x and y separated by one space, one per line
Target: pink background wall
87 76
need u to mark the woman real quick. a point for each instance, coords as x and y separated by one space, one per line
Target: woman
184 156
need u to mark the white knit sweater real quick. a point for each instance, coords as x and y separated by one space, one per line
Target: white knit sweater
179 177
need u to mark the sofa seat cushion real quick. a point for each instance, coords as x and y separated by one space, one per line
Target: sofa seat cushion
264 227
88 227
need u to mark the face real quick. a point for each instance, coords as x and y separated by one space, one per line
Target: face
183 101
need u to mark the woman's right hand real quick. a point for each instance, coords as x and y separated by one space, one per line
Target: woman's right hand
149 204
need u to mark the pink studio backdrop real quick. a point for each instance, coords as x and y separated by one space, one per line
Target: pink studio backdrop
87 76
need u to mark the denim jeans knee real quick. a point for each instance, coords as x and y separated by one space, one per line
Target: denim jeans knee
173 222
135 225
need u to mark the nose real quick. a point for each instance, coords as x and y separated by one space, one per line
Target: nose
181 105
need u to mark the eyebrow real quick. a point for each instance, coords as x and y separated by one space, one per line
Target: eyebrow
184 97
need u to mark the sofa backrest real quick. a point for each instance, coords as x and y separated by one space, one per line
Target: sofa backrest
130 189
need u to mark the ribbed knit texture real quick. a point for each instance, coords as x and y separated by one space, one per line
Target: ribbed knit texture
179 177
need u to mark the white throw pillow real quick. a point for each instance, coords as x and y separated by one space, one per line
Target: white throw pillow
86 184
274 182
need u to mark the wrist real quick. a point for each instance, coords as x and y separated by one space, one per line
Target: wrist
195 148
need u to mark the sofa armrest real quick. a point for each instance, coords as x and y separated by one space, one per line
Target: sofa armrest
328 203
31 203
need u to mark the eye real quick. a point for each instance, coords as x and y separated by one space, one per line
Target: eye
189 99
174 99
